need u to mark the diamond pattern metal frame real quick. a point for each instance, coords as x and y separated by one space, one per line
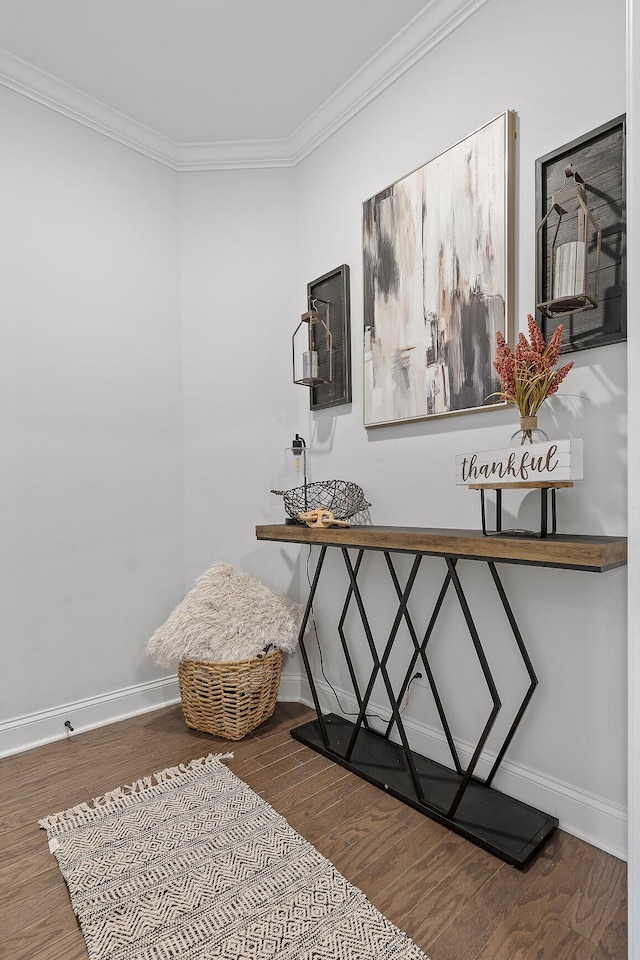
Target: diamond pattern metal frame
420 653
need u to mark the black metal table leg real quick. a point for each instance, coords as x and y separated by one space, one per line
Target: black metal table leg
379 666
420 651
490 684
303 651
456 797
533 680
343 639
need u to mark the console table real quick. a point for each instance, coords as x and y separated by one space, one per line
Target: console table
454 796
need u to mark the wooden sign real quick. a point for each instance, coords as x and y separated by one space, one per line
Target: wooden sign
532 462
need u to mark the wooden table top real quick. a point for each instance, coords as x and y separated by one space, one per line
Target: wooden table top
524 485
570 551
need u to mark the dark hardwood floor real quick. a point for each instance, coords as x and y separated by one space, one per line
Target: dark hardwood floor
456 901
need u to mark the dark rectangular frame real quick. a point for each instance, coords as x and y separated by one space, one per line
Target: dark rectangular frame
333 288
599 157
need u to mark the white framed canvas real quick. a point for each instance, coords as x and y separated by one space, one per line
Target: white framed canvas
438 281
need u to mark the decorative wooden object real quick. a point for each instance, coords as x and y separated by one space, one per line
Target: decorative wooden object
533 485
552 462
530 466
322 518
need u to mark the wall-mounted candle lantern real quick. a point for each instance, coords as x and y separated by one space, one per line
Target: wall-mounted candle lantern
568 243
312 345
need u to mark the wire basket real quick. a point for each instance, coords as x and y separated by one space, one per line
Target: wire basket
230 699
343 498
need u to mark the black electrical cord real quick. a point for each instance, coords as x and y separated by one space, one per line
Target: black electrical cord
343 710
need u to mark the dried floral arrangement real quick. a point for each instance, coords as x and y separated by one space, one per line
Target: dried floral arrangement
527 375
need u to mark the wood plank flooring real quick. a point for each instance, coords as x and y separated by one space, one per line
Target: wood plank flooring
456 901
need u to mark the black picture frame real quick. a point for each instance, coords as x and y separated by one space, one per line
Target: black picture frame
599 157
333 288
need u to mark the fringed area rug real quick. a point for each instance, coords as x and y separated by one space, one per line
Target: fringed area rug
191 864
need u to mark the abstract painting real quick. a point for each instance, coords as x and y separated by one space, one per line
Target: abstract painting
438 274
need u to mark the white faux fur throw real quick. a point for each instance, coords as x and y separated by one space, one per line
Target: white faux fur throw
228 616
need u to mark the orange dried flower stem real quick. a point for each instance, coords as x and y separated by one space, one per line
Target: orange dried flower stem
528 376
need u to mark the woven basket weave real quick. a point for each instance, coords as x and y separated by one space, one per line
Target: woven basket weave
230 699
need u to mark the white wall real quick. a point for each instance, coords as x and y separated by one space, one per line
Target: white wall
90 416
238 310
134 294
570 753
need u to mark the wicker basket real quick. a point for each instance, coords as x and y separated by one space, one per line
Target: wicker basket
230 699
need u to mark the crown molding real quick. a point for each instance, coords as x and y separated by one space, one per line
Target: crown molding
62 98
235 155
438 20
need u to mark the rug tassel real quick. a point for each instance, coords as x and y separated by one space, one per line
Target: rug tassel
51 821
145 783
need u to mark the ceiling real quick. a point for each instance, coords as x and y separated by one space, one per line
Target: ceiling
196 80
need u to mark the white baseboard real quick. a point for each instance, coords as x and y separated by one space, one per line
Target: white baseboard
290 688
35 729
47 726
593 819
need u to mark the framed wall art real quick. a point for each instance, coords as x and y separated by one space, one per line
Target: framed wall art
599 158
329 294
438 281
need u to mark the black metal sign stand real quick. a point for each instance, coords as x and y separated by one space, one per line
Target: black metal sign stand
544 489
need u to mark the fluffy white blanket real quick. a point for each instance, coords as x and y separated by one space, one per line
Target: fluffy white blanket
228 616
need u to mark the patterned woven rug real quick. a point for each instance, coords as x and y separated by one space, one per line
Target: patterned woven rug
191 864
